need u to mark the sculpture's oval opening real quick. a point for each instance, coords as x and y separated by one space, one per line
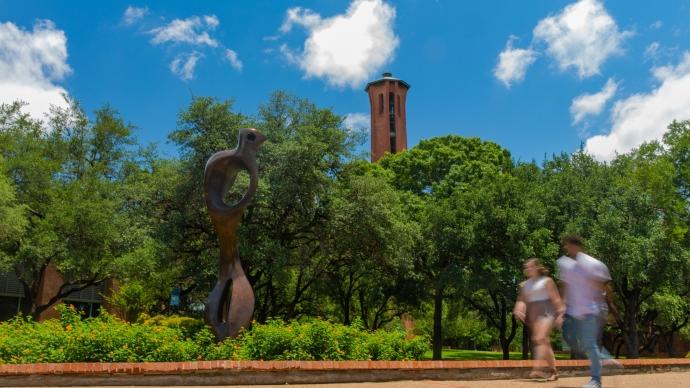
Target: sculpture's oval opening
225 303
238 189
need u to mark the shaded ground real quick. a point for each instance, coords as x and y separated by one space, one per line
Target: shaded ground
653 380
462 355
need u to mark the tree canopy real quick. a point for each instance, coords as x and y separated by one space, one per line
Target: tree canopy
439 231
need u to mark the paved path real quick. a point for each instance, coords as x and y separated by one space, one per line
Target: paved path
652 380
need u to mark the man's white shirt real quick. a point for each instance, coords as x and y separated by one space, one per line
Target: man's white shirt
583 278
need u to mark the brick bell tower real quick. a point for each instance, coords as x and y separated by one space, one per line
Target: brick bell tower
388 125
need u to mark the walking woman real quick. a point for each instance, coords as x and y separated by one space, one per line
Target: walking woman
540 306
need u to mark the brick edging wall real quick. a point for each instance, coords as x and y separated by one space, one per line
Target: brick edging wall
292 372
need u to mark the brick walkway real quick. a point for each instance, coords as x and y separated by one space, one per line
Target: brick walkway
442 374
654 380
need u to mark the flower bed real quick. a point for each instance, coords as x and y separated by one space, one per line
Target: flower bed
108 339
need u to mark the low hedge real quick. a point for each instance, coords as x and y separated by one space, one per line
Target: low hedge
320 340
109 339
187 325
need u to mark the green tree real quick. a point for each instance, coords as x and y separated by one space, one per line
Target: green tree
677 142
145 273
431 171
463 327
132 299
13 220
370 241
508 226
670 310
67 173
571 188
281 234
639 235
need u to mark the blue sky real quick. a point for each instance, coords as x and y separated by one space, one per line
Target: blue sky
538 77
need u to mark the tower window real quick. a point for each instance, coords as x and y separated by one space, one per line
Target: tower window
391 119
398 107
380 103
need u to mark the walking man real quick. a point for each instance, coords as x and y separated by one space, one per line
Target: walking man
585 279
565 264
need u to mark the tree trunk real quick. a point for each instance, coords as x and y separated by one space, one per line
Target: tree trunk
505 347
363 308
631 338
346 315
506 337
29 293
618 349
347 300
438 324
505 344
37 310
669 345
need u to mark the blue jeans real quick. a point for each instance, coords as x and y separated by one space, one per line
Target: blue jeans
588 329
570 336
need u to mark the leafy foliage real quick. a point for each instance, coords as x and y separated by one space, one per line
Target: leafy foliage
68 175
132 299
329 234
108 339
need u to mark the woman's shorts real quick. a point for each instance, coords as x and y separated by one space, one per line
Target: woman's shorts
540 309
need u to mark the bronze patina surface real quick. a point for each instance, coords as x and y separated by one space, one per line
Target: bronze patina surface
228 317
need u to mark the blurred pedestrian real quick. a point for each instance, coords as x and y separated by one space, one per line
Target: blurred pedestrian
586 283
565 264
539 305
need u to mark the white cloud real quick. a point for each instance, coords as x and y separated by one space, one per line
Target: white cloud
656 25
235 62
582 36
134 14
357 121
300 16
193 30
345 49
183 65
592 104
271 38
212 21
513 63
652 50
31 62
644 116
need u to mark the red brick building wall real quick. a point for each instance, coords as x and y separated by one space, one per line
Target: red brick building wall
380 102
51 281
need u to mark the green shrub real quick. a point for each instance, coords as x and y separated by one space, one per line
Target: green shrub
321 340
462 328
685 332
105 338
308 340
24 341
132 299
109 339
188 326
393 346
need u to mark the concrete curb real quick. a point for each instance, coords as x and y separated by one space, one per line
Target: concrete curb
296 372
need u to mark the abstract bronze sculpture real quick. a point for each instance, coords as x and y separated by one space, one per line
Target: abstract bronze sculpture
228 319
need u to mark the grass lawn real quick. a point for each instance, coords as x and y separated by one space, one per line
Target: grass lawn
461 354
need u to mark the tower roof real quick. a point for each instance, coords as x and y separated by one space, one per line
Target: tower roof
387 77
